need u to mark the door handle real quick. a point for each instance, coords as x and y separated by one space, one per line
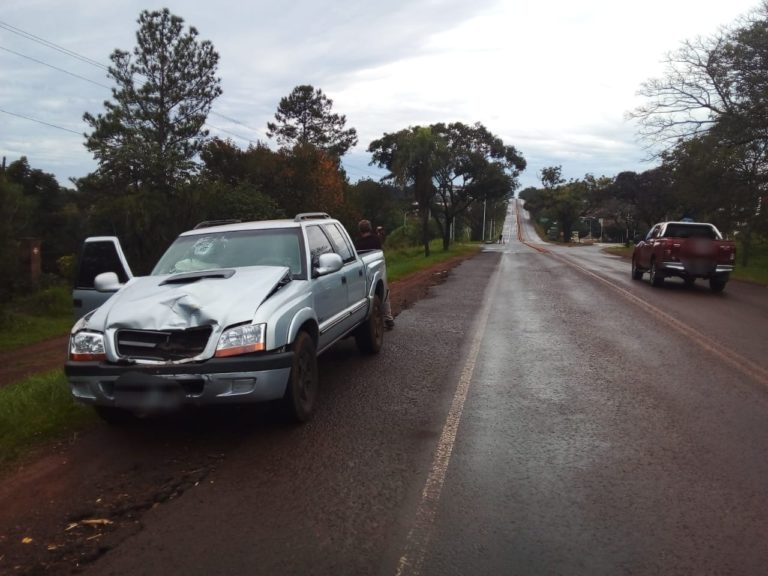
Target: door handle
343 279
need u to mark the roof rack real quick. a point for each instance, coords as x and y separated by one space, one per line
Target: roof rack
209 223
311 216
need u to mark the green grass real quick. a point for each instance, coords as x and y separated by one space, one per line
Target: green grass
24 329
404 261
625 251
38 316
36 410
757 270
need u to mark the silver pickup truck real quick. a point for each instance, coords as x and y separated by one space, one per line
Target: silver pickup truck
231 313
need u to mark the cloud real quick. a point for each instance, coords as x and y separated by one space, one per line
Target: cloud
553 78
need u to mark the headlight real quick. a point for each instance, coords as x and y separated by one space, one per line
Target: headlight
86 346
242 340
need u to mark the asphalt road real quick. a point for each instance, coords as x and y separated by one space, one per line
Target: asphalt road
540 413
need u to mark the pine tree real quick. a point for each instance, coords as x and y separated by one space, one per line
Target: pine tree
152 130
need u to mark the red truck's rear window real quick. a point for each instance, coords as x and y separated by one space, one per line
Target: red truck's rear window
690 231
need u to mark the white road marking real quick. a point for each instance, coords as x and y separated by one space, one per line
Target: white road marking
421 531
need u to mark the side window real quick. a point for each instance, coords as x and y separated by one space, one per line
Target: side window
318 243
340 243
654 233
95 258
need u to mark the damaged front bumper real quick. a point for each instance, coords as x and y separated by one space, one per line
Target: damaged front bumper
238 379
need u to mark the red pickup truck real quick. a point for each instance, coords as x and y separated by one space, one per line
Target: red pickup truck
688 250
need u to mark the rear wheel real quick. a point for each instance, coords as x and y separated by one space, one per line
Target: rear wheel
637 272
301 393
654 276
717 284
369 337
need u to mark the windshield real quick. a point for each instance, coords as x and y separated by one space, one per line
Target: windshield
233 250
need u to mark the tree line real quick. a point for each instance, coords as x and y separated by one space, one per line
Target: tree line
160 172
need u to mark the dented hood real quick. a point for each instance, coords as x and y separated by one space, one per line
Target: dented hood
179 301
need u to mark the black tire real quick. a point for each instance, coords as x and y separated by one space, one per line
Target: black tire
654 276
637 272
369 337
717 285
689 281
301 393
116 416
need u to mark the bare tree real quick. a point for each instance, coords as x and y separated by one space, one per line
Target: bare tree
717 84
691 97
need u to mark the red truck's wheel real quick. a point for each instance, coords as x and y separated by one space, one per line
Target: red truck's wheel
717 284
654 276
637 272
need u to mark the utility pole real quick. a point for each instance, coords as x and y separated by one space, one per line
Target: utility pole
484 201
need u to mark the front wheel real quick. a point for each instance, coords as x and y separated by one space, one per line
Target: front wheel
369 337
301 393
654 276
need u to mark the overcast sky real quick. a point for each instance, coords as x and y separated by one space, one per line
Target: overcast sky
554 78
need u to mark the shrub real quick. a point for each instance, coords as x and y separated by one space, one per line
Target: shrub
66 267
405 237
56 299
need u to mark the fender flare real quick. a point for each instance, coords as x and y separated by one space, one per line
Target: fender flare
299 319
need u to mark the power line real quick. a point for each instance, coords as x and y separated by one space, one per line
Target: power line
92 62
363 170
41 122
80 133
54 67
44 42
249 140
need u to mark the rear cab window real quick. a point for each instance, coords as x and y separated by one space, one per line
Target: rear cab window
683 230
340 243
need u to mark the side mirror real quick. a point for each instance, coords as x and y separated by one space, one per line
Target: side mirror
328 263
107 282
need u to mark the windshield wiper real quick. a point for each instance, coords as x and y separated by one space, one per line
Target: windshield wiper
188 277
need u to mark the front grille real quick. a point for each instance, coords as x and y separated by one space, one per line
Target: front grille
162 344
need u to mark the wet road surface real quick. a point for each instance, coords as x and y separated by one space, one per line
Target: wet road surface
595 439
530 417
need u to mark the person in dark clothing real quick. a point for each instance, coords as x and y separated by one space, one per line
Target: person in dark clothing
367 240
370 241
